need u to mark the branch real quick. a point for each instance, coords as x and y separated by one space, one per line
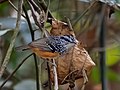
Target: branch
7 57
14 71
78 18
37 22
44 7
15 7
55 76
46 17
102 54
49 82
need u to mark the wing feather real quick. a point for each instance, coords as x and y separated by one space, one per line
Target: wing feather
40 43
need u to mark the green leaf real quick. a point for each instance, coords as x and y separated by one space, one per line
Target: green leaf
95 75
113 76
112 55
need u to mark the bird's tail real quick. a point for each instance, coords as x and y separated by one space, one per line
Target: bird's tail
22 48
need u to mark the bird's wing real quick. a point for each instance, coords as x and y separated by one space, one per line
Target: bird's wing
41 44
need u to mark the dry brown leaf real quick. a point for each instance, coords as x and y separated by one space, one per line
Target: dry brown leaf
60 28
71 64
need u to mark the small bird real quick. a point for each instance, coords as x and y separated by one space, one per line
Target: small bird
52 46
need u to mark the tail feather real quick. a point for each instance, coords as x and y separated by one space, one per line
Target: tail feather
22 48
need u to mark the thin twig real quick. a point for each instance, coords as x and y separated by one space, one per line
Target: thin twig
14 71
65 78
34 15
78 18
7 57
69 23
32 36
35 6
46 16
49 82
15 7
102 54
85 79
55 76
44 7
37 72
29 23
1 47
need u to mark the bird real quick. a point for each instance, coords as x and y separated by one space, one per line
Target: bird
52 46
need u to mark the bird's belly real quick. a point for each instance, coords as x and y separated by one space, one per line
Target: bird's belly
45 54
